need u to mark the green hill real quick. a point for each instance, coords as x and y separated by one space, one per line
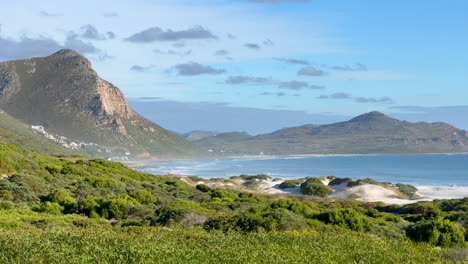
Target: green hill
62 93
371 133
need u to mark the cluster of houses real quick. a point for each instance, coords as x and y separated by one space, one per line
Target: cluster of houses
61 139
72 145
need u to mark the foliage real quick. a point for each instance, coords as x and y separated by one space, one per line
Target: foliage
290 184
406 189
438 232
314 186
347 218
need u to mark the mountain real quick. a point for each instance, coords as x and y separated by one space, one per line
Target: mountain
199 134
370 133
64 95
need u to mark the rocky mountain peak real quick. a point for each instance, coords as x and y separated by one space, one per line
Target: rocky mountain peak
69 57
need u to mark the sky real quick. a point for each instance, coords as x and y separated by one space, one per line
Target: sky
260 65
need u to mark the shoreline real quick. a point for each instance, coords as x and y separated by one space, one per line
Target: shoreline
137 163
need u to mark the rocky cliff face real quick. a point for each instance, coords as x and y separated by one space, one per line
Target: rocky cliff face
65 95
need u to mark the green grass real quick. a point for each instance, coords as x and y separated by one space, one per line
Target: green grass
161 245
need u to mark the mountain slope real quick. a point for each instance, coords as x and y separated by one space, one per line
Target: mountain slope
199 134
62 93
20 134
371 133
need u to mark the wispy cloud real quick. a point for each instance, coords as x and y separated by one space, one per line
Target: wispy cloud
222 52
297 85
47 14
90 32
173 52
139 68
242 79
194 68
357 67
341 95
157 34
110 14
293 61
252 46
311 71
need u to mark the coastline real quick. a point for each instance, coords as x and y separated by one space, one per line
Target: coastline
137 163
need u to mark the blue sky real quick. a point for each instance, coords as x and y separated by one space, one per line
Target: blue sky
320 60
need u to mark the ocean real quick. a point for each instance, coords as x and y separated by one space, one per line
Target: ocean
443 176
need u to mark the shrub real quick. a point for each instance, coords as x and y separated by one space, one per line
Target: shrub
438 232
48 207
347 218
224 195
252 177
182 216
406 189
108 207
62 198
294 206
287 221
6 205
290 184
203 188
143 196
313 186
6 195
338 181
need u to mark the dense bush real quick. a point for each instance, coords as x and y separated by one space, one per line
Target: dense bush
48 207
406 189
62 198
347 218
314 186
438 232
109 206
252 177
143 196
290 184
203 188
338 181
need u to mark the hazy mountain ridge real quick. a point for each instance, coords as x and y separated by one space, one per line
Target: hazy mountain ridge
371 133
62 93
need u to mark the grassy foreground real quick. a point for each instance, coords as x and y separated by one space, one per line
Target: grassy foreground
74 210
192 245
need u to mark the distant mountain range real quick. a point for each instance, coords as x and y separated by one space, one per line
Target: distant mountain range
62 94
371 133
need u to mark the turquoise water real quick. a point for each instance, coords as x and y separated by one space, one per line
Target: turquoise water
436 170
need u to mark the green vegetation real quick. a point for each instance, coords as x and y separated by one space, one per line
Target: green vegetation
314 186
290 184
55 210
252 177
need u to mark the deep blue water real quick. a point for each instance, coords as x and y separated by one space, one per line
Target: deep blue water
440 170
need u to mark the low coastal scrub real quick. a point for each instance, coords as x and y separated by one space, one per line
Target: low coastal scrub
314 186
82 211
290 184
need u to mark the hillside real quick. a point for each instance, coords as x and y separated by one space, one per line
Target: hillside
20 134
371 133
63 94
199 134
